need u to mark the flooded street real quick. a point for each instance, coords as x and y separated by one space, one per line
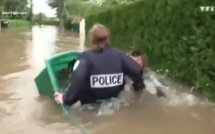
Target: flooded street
23 111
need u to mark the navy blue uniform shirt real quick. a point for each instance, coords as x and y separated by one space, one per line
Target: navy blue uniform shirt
101 76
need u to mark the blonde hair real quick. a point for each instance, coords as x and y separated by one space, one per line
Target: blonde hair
99 36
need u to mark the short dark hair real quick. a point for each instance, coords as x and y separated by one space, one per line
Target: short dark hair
135 53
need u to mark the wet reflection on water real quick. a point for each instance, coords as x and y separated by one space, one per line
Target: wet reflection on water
23 111
22 56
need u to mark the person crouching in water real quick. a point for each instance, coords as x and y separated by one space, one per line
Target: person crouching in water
99 73
136 56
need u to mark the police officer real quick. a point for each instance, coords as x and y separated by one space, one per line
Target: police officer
100 73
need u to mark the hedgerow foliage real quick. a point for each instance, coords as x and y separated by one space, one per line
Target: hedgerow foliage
174 34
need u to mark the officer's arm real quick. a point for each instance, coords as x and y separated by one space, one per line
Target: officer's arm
133 70
78 85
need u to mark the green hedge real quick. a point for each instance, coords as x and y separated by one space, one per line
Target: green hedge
177 38
50 22
19 23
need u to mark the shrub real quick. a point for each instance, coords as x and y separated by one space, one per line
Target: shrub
176 36
19 23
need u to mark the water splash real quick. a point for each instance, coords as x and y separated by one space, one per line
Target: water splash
108 108
103 108
173 98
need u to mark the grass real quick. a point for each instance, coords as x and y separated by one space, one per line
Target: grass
19 23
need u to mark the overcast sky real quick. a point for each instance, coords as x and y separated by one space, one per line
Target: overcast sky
41 6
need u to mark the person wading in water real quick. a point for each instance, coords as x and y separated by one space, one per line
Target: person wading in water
99 73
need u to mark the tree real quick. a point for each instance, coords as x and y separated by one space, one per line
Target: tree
14 5
1 7
69 9
30 11
38 18
83 7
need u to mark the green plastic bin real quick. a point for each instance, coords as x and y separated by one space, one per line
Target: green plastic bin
48 81
75 27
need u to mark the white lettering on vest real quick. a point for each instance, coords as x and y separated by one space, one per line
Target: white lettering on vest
76 65
106 80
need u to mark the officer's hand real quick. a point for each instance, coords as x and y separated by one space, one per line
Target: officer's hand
58 98
138 90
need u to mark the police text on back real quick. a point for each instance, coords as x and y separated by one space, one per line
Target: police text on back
106 80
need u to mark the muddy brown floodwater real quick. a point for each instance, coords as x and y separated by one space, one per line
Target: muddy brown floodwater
24 111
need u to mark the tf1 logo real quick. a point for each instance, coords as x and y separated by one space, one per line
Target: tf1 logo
207 8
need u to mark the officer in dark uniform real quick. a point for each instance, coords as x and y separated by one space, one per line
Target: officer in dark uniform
100 73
